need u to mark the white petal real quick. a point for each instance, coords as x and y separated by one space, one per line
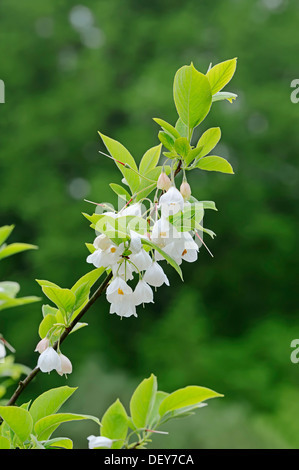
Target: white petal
2 350
65 365
135 244
143 293
155 275
49 360
142 260
99 441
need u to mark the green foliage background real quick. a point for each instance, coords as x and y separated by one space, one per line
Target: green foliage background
229 326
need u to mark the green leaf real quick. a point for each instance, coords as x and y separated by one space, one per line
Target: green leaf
78 326
10 288
182 146
172 131
150 159
50 402
115 424
182 128
82 295
194 153
46 324
192 95
222 95
165 255
208 140
4 443
90 247
155 415
59 442
47 425
48 310
120 191
8 302
121 154
14 248
214 163
43 283
166 140
64 298
209 205
221 74
5 231
142 401
18 419
186 397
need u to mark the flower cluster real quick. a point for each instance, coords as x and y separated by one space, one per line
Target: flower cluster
50 360
136 256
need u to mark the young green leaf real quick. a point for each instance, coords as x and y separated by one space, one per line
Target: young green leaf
182 146
115 424
213 163
192 95
18 419
194 153
59 442
45 427
182 128
50 402
46 324
48 310
64 298
5 231
224 95
120 191
166 140
90 278
142 401
14 248
184 397
208 140
154 416
221 74
150 159
123 157
172 131
4 443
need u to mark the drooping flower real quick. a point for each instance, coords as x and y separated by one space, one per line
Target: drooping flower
143 293
95 442
49 360
108 257
171 202
42 345
155 275
120 295
141 260
65 365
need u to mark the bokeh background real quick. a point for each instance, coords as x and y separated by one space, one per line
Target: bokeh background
73 68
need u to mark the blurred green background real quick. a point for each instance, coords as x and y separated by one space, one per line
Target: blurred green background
71 69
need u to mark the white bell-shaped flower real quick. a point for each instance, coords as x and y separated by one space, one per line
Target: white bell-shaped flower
141 260
125 308
118 290
65 365
171 202
49 360
155 275
95 442
143 293
133 209
135 243
105 258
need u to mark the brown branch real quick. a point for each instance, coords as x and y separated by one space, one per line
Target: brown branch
23 384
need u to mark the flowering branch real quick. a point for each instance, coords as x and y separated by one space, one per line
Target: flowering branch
24 383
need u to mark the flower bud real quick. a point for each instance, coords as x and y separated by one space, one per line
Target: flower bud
96 442
185 190
163 182
42 345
